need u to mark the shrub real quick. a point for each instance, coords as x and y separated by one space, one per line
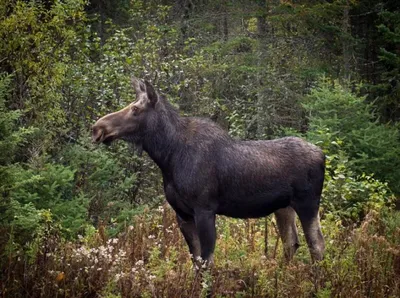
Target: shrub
372 147
348 195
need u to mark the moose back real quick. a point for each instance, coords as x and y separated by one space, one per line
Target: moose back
206 172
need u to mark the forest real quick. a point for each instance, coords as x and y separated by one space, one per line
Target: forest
85 220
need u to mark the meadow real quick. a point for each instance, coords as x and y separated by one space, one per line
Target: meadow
150 259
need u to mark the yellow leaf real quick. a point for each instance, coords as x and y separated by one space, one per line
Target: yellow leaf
60 276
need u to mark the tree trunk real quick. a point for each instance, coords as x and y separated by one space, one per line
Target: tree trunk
225 24
346 48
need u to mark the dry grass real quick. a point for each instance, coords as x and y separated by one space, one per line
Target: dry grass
150 259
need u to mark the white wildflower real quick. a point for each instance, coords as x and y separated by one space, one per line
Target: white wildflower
139 263
122 253
117 276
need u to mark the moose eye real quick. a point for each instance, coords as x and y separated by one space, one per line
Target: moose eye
135 110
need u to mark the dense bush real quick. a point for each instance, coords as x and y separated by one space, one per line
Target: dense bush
371 147
347 195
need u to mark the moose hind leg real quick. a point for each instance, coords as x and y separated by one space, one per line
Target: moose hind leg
310 222
189 231
286 221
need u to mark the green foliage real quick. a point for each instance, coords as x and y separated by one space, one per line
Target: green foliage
21 221
371 147
43 186
36 42
388 89
347 195
24 221
343 125
11 135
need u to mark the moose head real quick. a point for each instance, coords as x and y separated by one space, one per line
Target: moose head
130 122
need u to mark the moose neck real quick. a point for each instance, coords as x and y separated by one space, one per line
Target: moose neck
162 136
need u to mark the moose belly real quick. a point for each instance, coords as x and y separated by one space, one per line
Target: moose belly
253 205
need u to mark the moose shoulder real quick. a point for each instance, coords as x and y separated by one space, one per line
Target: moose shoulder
206 172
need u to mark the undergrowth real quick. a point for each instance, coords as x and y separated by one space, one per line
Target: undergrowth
150 259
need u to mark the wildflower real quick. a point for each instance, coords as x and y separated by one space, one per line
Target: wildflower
139 263
122 253
130 228
117 276
99 269
102 250
151 237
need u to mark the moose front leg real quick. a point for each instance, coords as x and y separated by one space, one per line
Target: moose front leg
205 225
189 231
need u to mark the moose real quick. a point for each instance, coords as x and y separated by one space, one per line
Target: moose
206 172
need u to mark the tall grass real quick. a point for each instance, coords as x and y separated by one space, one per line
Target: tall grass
150 259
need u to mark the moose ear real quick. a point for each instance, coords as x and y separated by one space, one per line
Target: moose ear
151 93
138 85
